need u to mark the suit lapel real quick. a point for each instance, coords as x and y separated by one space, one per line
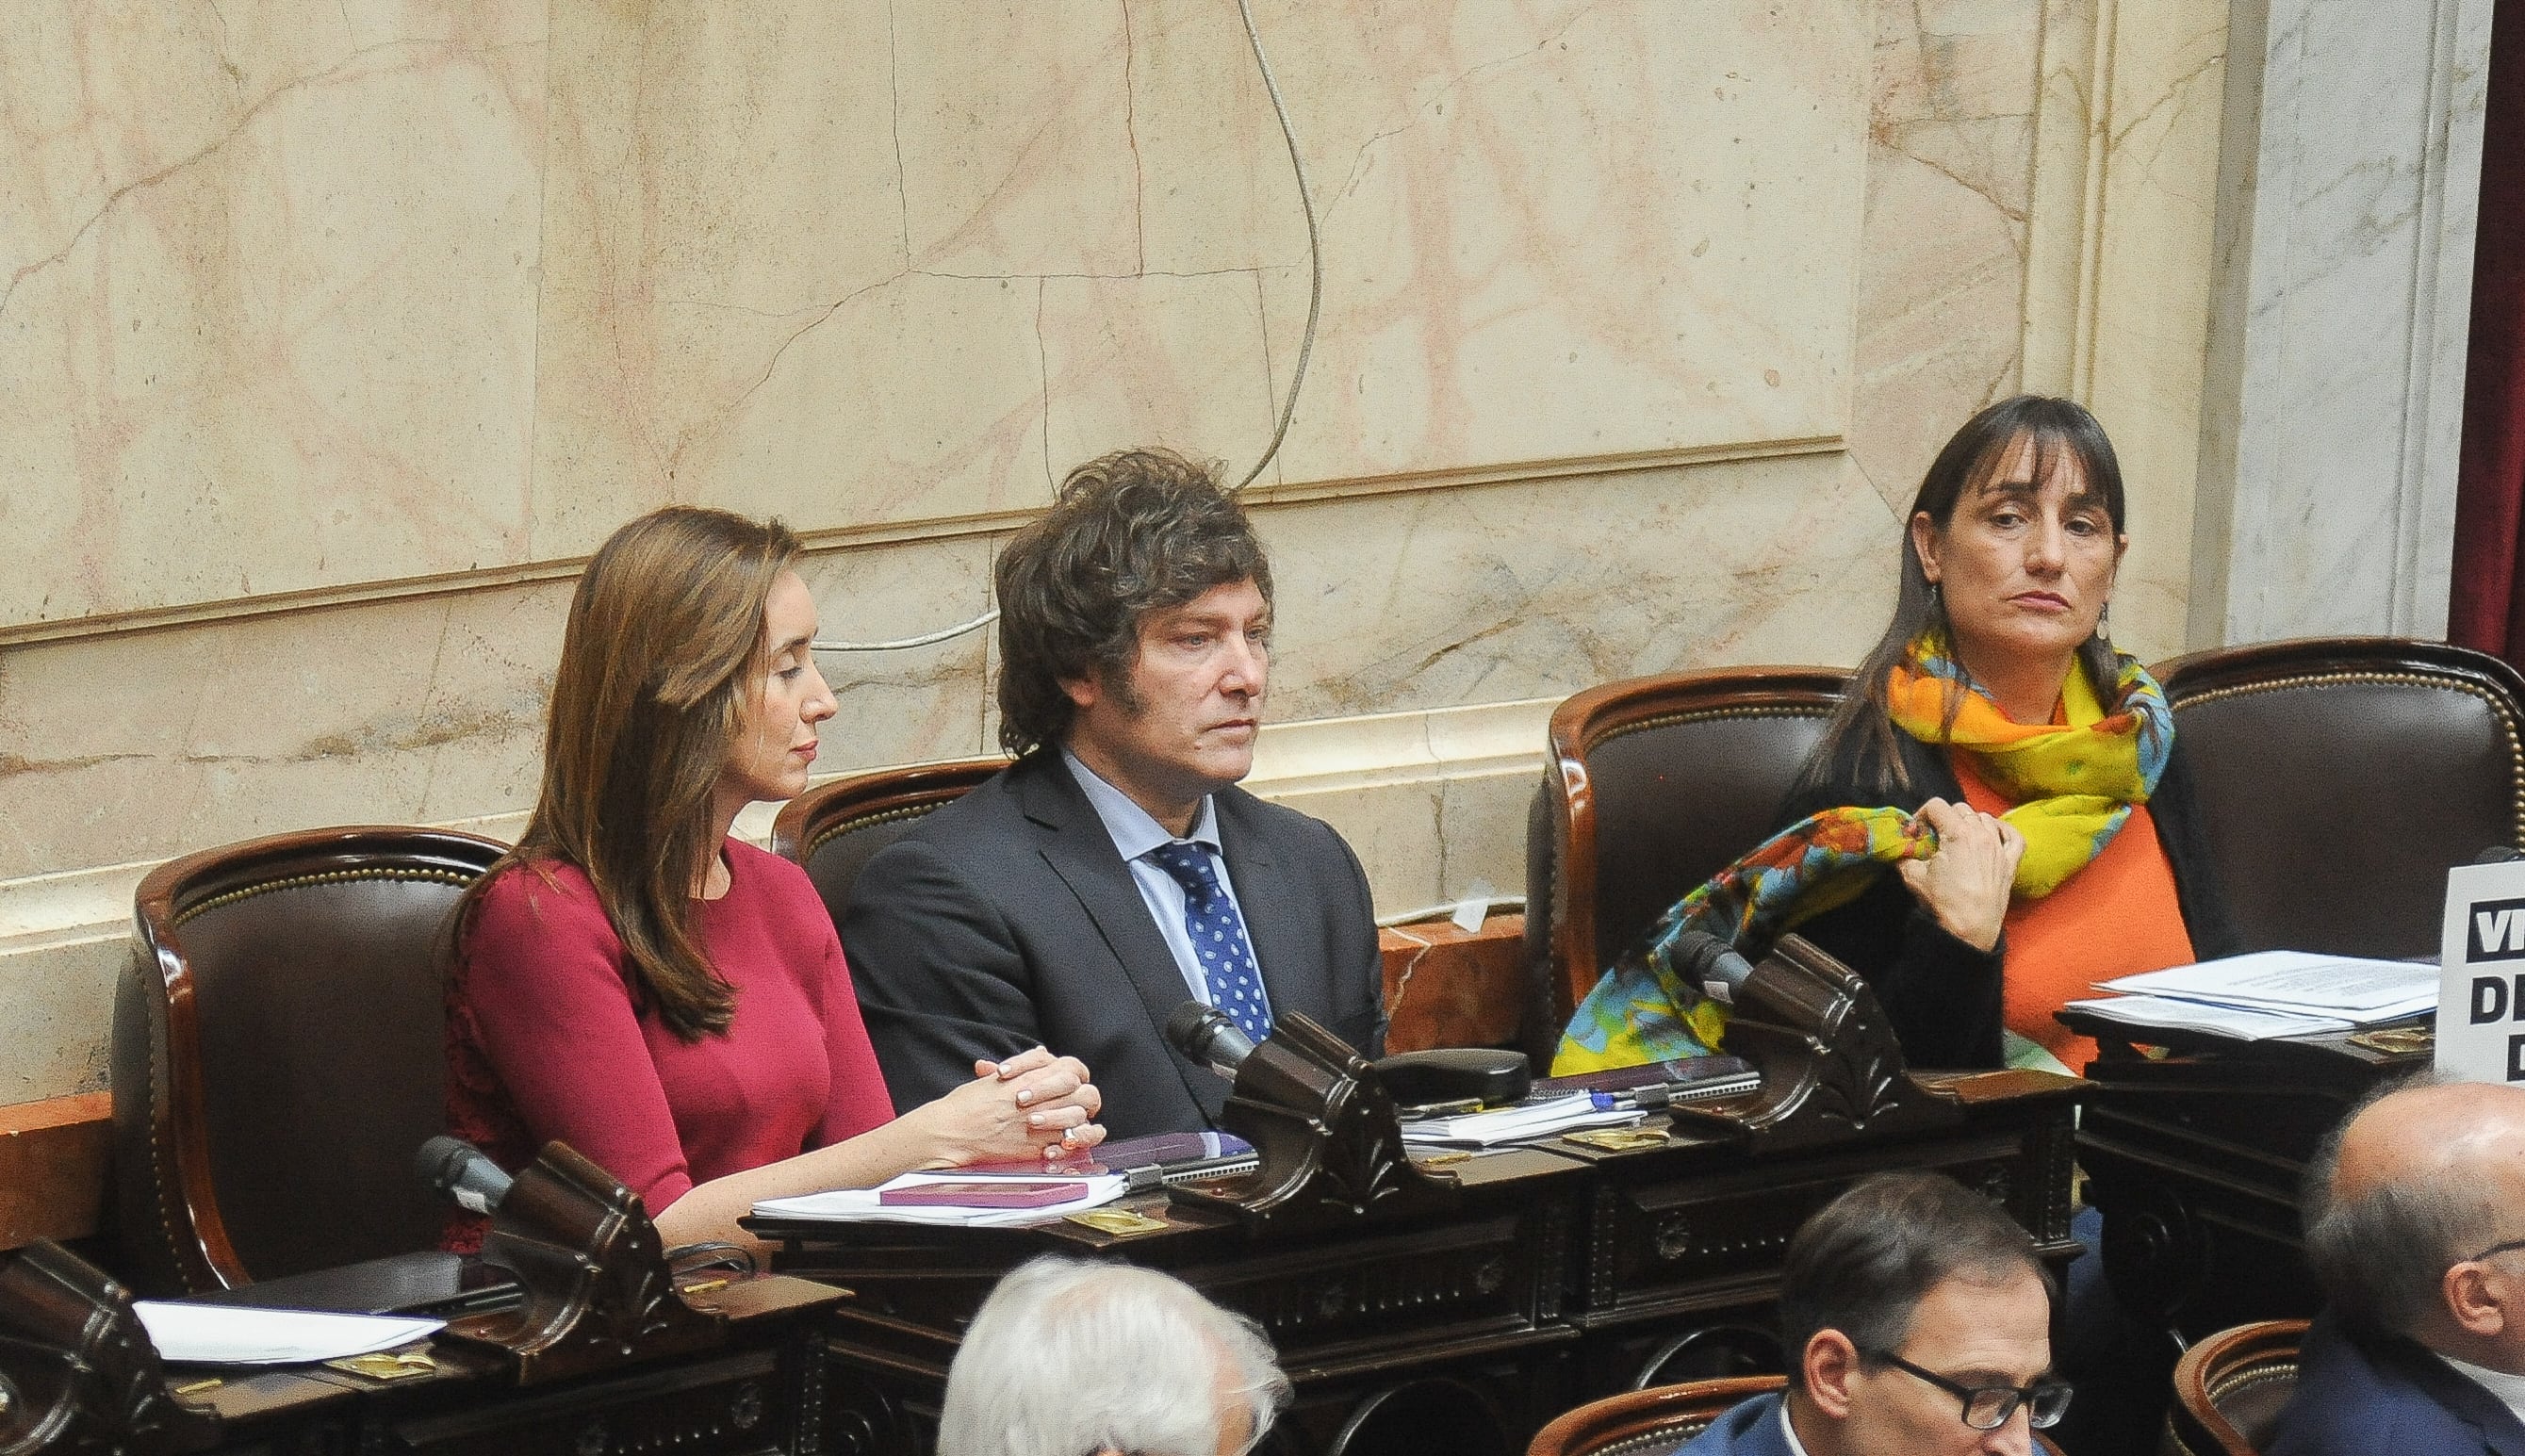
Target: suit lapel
1080 851
2461 1394
1268 897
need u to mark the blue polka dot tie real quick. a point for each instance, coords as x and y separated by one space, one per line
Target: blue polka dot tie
1217 938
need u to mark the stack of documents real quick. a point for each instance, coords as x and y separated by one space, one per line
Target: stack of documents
864 1206
188 1334
1521 1123
2271 993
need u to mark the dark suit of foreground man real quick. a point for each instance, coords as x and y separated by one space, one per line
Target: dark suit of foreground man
1114 870
1918 1322
2416 1225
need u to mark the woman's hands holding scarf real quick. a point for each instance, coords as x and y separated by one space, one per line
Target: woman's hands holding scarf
1967 882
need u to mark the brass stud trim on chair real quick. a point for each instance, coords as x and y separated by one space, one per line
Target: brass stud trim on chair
329 877
2496 705
838 827
1705 715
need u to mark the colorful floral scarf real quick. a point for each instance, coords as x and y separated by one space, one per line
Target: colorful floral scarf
2073 787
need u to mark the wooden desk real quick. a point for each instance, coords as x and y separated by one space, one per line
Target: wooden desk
2194 1160
1562 1273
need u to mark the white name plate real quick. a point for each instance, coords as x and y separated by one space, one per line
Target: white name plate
2481 986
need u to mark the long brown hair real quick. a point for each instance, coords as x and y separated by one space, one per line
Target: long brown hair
659 662
1860 740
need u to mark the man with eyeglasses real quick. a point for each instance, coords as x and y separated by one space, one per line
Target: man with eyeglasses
2414 1213
1917 1322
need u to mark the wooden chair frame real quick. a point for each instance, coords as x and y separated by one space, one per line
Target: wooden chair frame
169 1205
1562 927
2215 1369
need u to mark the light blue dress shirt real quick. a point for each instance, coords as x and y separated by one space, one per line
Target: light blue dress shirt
1134 833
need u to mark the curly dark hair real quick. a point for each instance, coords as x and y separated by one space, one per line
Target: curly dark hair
1133 532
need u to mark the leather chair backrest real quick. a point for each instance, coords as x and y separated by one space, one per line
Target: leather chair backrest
834 830
2229 1389
1650 786
1652 1420
280 1054
2339 777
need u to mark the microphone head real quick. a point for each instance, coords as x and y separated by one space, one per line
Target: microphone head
441 1161
1206 1035
1184 1024
2497 855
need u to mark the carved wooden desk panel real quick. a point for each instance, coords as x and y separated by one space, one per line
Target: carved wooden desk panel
1564 1273
1470 1302
2194 1161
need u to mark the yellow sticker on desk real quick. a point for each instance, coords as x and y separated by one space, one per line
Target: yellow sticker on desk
386 1365
1121 1223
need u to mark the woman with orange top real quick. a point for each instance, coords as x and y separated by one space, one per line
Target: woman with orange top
1999 816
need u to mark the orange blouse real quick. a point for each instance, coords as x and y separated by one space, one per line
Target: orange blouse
2118 916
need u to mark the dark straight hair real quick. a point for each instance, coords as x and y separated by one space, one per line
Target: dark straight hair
1859 743
1863 1264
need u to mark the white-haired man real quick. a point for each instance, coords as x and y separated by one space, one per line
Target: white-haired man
1067 1358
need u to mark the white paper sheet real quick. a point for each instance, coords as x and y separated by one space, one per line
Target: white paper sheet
237 1334
860 1205
1516 1123
2334 986
2242 1023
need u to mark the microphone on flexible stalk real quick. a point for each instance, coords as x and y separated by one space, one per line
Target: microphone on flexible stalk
1710 963
462 1171
1208 1037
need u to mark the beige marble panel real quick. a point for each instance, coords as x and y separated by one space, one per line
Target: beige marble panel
151 745
60 1000
1551 237
719 184
2153 289
1014 123
1942 272
266 299
1541 588
915 704
917 400
1157 360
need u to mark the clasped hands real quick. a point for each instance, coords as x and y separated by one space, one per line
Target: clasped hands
1032 1104
1967 882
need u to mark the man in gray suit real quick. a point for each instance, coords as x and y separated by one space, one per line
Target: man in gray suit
1115 871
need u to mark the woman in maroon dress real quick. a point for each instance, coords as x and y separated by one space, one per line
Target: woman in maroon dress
669 1001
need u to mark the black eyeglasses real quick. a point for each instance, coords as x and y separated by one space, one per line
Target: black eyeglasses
1988 1407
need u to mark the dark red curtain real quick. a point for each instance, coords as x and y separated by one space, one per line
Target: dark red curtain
2486 609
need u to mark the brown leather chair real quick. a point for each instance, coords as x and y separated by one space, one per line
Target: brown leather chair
1650 786
278 1055
1652 1422
835 830
2230 1387
2340 776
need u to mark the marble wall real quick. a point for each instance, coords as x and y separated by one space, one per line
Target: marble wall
2350 182
331 338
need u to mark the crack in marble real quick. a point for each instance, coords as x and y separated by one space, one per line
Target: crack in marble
676 457
1131 135
1422 112
235 129
15 765
1043 374
894 89
424 735
2018 216
2177 92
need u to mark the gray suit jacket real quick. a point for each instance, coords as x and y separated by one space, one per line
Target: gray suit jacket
1008 919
